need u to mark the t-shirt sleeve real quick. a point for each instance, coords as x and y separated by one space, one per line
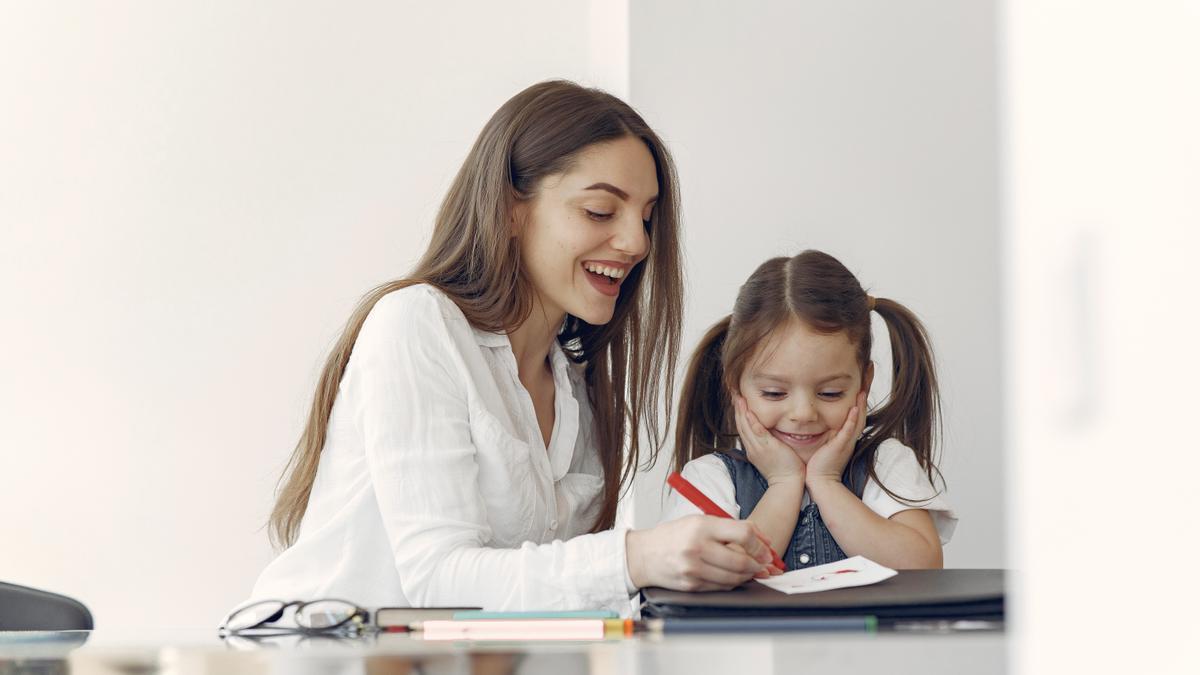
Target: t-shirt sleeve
710 476
896 467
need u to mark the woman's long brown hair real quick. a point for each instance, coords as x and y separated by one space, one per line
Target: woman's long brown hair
819 291
472 258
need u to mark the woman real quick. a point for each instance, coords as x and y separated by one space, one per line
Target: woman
466 442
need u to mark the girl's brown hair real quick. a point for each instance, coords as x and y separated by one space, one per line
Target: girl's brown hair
474 260
819 291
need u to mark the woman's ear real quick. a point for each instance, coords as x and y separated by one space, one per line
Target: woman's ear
517 216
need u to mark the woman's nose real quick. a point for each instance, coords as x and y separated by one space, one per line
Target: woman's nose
631 238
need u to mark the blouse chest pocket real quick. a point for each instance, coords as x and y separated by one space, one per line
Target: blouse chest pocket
506 479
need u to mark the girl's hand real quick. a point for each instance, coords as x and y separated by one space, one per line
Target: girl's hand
774 460
829 461
697 553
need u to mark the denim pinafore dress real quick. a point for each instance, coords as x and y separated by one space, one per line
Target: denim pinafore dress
811 544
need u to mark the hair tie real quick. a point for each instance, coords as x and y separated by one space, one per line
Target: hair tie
870 303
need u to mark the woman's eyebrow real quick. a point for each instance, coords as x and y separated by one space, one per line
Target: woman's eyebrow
609 187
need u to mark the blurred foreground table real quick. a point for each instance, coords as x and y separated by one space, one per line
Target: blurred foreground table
925 652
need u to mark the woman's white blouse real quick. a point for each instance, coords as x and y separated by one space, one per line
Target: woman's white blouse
895 464
435 487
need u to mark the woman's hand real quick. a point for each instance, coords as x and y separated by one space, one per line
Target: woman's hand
697 553
774 460
829 461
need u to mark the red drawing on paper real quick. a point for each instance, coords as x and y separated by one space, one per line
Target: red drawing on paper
823 577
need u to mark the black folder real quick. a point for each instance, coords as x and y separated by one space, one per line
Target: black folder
954 594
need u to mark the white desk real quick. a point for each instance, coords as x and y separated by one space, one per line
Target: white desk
824 653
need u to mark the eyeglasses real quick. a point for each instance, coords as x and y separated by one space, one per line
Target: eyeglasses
311 617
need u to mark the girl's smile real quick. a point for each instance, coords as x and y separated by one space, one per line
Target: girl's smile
800 441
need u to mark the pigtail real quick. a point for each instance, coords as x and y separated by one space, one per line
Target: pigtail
912 413
704 423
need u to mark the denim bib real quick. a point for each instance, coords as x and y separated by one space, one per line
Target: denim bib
811 544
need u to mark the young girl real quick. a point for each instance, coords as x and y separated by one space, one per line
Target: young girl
773 423
467 441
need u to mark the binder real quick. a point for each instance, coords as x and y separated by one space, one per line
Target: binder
952 594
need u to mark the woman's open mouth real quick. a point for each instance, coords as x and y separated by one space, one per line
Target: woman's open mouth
605 278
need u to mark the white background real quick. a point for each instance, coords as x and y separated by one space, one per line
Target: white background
193 196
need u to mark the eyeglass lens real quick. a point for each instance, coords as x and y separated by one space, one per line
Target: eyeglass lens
325 614
253 615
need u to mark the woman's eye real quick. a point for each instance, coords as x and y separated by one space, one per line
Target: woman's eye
831 395
772 395
598 216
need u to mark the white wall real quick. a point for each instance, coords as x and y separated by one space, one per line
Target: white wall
192 197
1102 230
865 129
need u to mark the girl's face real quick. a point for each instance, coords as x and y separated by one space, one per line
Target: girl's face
801 385
584 230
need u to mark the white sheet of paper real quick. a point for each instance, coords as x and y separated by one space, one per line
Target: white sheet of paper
856 571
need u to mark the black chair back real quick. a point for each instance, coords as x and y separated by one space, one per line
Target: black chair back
26 609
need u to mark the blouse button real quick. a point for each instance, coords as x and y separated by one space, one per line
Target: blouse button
804 558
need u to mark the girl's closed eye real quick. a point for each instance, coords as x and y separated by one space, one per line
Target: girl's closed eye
831 395
772 395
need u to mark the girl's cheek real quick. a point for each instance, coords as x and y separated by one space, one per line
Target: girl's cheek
842 413
768 413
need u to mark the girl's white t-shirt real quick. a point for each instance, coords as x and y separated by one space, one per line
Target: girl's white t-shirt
435 487
895 464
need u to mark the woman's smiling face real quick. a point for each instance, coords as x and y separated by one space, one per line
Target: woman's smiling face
584 230
801 384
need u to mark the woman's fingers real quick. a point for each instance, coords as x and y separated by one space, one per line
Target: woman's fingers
735 562
744 534
765 542
717 557
765 571
701 553
705 577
